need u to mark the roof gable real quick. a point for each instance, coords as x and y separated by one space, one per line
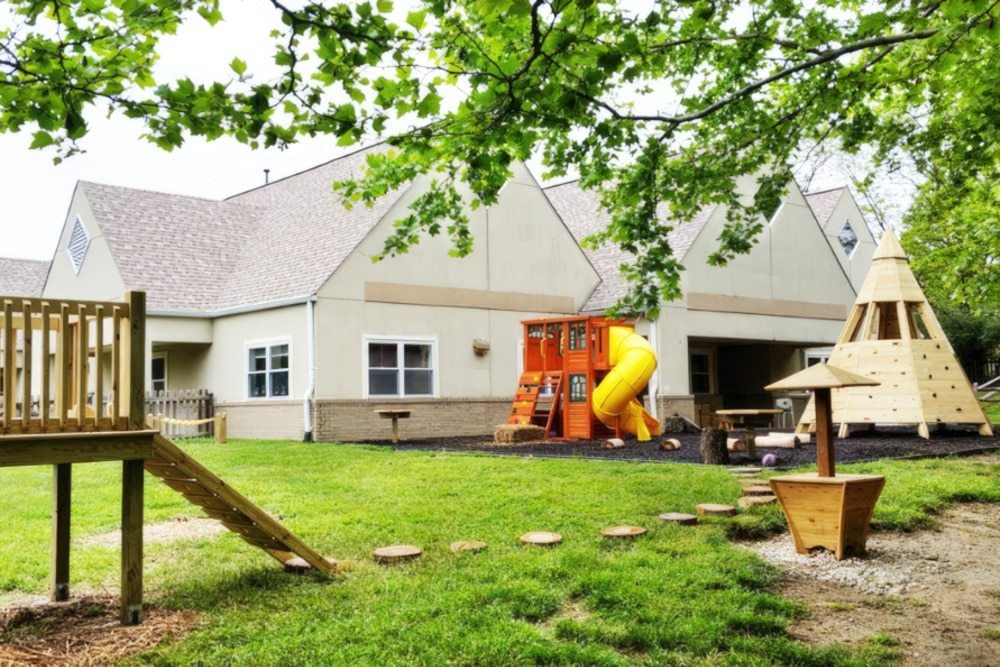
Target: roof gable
581 212
276 242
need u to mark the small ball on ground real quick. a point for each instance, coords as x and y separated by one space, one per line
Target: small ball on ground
769 460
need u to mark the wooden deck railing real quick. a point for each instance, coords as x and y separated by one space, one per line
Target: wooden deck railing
64 352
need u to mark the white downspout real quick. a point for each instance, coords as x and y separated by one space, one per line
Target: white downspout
311 361
654 380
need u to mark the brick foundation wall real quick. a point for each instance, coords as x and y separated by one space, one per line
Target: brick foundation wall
264 420
681 404
356 420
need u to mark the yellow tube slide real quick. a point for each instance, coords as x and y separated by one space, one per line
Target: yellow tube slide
614 403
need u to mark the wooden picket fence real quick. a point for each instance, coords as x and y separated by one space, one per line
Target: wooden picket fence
179 407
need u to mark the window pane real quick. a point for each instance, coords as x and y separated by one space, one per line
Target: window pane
279 357
700 384
383 383
417 356
279 383
699 363
577 388
382 355
258 384
417 383
258 359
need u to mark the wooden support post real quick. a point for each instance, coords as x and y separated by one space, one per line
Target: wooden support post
751 442
61 496
824 433
220 427
131 580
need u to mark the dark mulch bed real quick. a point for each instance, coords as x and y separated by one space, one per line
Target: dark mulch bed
887 442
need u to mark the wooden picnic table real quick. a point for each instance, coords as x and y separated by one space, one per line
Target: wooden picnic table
745 417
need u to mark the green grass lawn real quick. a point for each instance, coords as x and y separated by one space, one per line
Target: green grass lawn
675 596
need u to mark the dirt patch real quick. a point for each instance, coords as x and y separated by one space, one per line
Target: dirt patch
178 528
82 631
933 596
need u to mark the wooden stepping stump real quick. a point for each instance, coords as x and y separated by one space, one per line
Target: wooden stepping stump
623 531
714 509
757 490
396 553
471 545
541 538
745 472
299 565
755 501
679 518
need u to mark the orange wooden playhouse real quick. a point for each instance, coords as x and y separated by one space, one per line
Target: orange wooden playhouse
581 379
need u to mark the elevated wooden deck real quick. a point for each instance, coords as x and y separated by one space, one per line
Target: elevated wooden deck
72 390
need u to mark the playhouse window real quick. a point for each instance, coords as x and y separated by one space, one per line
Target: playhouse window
578 335
400 368
577 388
268 370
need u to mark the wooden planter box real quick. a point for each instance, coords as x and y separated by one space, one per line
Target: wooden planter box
831 512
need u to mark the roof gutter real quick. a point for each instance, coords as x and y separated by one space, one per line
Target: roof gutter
311 354
237 310
654 380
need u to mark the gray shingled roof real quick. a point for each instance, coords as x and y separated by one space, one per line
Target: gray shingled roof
276 242
824 202
580 211
22 277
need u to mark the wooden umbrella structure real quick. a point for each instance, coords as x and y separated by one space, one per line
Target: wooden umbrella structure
825 509
820 379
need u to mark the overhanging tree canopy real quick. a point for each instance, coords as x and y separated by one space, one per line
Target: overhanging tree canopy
651 102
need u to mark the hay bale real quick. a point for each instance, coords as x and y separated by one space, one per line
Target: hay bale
508 434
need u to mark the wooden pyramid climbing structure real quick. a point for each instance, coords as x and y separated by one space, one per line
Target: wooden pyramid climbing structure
893 337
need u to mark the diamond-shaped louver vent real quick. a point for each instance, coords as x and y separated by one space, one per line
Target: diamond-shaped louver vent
78 243
848 239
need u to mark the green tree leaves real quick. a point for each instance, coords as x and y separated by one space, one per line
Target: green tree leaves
663 111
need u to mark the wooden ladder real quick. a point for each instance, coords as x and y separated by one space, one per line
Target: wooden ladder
218 500
537 399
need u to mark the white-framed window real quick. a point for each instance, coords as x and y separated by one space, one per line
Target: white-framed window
700 370
158 372
817 356
269 373
400 367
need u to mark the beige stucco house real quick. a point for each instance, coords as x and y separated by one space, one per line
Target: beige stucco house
271 301
765 315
